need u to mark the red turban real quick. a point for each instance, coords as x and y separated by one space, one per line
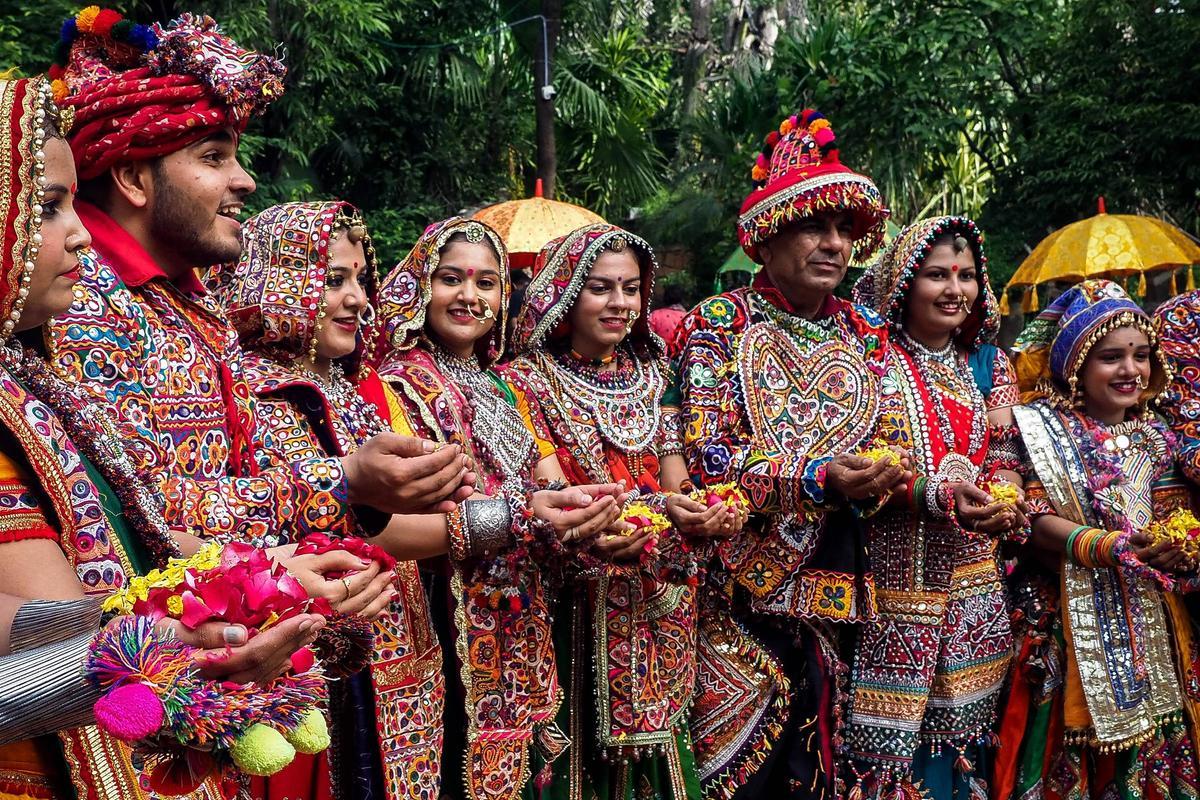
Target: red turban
143 92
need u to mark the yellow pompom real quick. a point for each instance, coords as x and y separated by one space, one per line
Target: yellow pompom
786 126
311 735
86 17
262 751
819 124
758 173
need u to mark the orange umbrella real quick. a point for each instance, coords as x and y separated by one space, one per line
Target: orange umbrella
1108 246
526 225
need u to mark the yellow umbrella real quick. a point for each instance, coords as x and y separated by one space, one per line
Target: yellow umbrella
526 225
1104 246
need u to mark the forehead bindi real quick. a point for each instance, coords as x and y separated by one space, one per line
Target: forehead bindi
1124 339
616 271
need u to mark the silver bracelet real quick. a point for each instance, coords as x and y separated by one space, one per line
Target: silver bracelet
488 525
40 622
45 689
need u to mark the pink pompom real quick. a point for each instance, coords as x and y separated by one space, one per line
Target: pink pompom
302 660
823 136
130 712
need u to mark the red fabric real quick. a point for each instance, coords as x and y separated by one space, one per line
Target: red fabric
766 287
127 257
1012 729
14 225
665 321
41 532
306 778
370 388
141 116
238 427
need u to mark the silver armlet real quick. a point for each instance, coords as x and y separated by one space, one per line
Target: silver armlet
40 622
44 690
489 525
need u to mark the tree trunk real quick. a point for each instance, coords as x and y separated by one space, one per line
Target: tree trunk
695 62
768 26
543 61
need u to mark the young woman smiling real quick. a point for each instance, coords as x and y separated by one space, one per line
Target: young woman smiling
596 381
928 670
1104 689
441 329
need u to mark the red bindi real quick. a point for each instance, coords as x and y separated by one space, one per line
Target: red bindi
954 268
470 272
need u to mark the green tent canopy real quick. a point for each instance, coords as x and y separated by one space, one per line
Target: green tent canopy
738 261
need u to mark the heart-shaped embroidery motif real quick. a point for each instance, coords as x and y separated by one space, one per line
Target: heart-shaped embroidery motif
805 396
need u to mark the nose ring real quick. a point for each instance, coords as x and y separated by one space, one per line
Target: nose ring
485 316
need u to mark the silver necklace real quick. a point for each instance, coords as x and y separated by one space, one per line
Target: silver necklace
495 424
362 418
956 372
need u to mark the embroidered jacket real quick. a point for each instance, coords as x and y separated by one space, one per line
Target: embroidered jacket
167 359
768 399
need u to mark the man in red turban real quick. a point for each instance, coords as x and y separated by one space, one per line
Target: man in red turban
781 385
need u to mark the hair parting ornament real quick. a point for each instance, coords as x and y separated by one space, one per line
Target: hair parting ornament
43 105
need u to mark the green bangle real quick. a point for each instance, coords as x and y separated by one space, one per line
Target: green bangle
1071 541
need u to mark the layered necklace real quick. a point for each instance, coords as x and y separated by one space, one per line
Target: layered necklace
496 426
96 436
623 402
946 371
360 417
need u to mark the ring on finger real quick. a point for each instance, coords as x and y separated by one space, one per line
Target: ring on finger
346 583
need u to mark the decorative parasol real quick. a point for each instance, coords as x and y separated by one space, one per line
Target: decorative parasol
1104 246
526 225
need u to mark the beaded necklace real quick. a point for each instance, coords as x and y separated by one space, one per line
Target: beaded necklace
496 427
953 373
95 435
597 363
359 416
624 402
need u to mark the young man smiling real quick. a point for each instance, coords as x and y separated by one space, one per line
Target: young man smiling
157 124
